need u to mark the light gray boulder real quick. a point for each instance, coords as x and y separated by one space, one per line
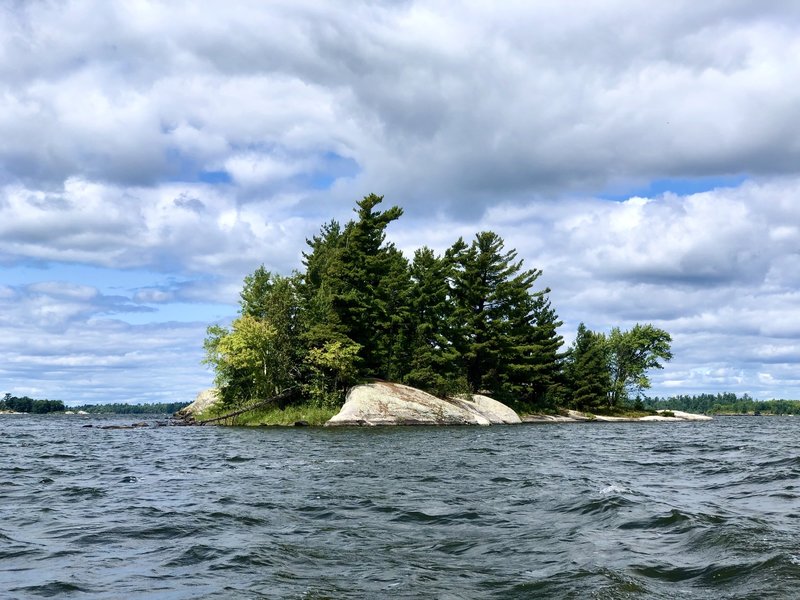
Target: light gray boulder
384 403
202 401
677 415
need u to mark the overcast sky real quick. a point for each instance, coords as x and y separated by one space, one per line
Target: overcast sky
645 155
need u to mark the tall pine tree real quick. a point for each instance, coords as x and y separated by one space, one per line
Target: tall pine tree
365 284
587 370
502 351
433 363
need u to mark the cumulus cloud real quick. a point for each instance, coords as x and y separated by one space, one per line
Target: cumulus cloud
184 227
529 99
66 341
197 144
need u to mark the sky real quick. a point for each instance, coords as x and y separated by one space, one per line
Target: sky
645 156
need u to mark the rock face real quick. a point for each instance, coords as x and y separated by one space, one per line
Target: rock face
384 403
678 415
204 399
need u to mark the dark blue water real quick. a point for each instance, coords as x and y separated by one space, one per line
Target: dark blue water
623 510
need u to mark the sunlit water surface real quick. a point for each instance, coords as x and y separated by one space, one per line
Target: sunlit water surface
629 510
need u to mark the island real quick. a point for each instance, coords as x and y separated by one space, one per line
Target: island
383 403
467 326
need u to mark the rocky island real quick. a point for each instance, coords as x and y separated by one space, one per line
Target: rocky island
469 320
383 403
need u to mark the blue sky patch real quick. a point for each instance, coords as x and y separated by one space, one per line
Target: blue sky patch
678 186
214 177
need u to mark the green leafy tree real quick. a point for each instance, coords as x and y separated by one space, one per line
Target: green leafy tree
633 353
250 352
258 356
334 367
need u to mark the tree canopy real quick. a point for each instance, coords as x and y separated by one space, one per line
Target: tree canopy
468 321
25 404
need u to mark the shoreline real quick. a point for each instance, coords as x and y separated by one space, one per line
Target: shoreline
574 416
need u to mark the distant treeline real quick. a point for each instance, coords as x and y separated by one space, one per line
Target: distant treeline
727 403
25 404
30 405
132 409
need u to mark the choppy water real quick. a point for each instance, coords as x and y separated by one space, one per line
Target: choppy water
688 510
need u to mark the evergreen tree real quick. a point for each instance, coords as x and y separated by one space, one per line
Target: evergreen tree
369 290
538 380
588 375
433 364
494 319
323 265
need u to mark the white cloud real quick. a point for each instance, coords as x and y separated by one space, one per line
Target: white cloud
198 143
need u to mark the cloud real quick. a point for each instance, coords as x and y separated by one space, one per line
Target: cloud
185 227
522 101
65 341
194 145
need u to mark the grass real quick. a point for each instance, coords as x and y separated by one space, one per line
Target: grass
271 415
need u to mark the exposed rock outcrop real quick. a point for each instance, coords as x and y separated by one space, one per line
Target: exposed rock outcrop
574 416
677 415
202 401
384 403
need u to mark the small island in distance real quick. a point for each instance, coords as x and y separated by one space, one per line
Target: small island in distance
722 404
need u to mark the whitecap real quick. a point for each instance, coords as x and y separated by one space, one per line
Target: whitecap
613 489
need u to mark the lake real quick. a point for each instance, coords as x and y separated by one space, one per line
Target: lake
611 510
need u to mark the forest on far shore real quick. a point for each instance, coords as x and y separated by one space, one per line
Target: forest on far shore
469 320
725 403
25 404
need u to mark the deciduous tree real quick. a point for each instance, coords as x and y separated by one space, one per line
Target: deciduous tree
633 353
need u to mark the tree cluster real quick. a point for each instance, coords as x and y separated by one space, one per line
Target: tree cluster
467 321
117 408
24 404
725 403
608 371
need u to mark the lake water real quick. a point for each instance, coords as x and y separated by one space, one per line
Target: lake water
618 510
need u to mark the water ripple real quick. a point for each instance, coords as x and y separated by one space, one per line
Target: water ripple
607 512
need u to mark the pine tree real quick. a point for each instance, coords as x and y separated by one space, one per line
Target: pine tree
433 364
494 319
536 377
321 323
370 289
588 374
362 285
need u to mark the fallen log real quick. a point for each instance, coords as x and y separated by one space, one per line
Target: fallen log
281 400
